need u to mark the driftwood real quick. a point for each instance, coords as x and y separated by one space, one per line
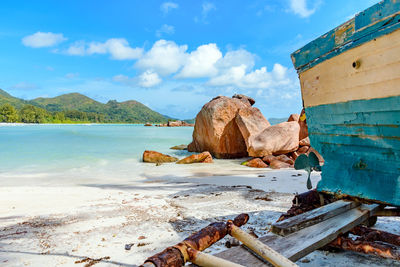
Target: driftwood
178 255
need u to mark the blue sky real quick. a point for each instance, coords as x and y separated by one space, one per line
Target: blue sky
173 56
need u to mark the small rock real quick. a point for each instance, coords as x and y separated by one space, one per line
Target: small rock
204 157
285 159
157 157
129 246
141 237
179 147
256 163
268 159
277 164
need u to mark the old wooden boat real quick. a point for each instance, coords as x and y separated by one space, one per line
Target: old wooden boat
350 83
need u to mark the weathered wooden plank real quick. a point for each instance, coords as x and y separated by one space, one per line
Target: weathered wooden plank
312 217
336 80
374 22
303 242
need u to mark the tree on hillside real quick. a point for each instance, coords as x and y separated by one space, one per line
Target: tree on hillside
8 113
32 114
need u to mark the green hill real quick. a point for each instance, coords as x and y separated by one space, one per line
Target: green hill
6 98
78 107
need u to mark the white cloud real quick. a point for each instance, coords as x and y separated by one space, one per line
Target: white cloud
165 57
236 58
165 29
201 62
76 49
259 78
300 7
118 48
149 79
168 6
43 39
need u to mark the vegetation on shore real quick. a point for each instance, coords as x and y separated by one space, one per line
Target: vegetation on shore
74 108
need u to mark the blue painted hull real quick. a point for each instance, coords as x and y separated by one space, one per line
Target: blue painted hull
360 142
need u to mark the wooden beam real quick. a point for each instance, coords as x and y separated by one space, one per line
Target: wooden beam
299 244
260 248
296 223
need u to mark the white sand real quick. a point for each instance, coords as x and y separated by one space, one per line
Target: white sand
58 223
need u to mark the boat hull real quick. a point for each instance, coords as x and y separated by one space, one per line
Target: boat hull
350 82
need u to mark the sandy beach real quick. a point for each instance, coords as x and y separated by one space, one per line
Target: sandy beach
60 225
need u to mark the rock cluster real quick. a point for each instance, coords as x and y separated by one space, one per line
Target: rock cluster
233 128
175 124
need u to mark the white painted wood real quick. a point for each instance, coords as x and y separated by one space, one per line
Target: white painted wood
336 80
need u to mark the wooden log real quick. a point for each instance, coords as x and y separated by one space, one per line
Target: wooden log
259 248
312 217
207 260
177 255
368 234
299 244
367 247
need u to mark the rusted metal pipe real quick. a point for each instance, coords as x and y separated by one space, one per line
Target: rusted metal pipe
259 248
207 260
368 234
177 255
367 247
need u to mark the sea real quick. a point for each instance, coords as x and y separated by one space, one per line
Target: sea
57 154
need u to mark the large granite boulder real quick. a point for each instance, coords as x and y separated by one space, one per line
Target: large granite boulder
277 139
216 129
251 122
157 157
204 157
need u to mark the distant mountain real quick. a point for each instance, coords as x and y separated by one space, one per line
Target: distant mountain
119 112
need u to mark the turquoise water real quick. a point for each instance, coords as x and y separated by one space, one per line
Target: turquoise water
49 148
